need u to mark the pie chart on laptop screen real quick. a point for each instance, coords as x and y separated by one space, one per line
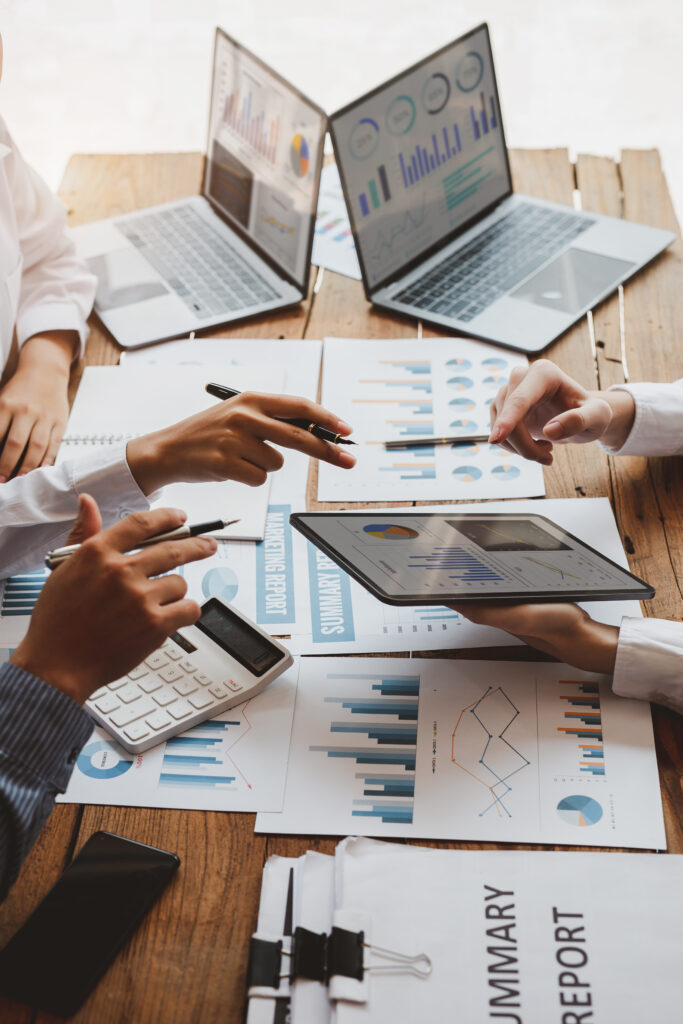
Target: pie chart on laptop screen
390 531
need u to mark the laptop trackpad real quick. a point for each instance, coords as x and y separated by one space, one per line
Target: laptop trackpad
124 278
572 281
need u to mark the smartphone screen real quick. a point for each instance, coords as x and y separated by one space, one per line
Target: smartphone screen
54 961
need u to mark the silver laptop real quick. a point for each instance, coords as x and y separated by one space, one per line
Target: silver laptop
440 235
241 248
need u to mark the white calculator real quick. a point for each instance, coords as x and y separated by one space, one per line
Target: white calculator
200 671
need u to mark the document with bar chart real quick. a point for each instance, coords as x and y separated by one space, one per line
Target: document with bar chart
18 596
404 388
333 245
235 762
499 751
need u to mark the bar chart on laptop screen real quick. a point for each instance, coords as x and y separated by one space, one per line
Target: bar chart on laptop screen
423 155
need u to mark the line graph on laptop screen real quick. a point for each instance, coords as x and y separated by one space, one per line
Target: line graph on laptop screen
262 156
423 155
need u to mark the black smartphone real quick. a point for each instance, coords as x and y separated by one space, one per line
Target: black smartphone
58 955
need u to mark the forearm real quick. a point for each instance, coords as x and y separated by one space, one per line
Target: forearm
41 734
649 662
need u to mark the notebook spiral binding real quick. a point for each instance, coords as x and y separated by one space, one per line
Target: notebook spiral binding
97 439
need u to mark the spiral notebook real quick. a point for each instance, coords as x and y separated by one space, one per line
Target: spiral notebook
116 404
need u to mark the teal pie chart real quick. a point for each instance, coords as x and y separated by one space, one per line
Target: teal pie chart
579 810
104 760
506 471
220 582
467 473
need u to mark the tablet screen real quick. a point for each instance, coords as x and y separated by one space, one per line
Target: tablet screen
416 558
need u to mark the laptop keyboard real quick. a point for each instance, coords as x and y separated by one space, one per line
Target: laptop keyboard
468 281
196 263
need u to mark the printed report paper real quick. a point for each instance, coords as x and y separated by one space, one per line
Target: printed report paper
404 388
490 751
235 762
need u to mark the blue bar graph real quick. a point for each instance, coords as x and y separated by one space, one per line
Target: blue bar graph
196 759
386 717
583 721
483 122
423 160
465 565
21 593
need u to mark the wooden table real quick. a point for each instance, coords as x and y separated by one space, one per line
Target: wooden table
187 962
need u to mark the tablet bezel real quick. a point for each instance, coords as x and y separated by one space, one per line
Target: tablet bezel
645 592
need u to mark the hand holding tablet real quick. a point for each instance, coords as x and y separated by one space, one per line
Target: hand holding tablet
414 558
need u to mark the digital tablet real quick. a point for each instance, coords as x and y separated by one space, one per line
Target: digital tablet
412 558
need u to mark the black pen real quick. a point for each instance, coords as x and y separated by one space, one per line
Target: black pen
218 391
59 555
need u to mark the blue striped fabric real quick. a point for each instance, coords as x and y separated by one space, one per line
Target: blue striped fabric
41 734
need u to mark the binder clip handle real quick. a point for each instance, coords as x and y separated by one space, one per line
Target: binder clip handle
420 965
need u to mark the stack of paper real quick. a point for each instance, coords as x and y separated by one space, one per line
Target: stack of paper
495 936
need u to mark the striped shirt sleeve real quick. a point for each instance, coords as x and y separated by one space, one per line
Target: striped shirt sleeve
41 734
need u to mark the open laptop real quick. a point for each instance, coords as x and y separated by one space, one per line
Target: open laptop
241 248
439 233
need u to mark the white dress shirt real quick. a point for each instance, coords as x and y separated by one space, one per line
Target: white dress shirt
649 663
44 287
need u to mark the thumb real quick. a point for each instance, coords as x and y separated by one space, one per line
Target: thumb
88 521
590 419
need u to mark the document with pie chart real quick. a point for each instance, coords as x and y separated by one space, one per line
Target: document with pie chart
401 389
472 750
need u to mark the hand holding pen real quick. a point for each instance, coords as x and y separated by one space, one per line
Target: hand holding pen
219 391
233 440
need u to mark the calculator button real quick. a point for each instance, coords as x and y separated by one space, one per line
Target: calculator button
118 683
165 697
151 685
124 716
128 694
136 731
156 660
172 651
138 672
202 678
107 703
181 709
157 720
233 685
219 691
170 673
185 687
187 665
201 700
98 693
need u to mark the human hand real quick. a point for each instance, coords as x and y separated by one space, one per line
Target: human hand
563 630
541 405
34 406
100 613
229 441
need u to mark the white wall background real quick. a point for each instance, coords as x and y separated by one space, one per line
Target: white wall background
133 75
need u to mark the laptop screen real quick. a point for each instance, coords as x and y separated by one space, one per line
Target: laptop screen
422 156
264 157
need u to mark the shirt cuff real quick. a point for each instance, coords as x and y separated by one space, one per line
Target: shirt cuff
658 423
52 316
109 479
649 662
40 727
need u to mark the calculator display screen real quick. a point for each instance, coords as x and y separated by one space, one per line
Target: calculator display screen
240 640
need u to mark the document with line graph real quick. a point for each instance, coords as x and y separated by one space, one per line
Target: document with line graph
235 762
401 389
499 751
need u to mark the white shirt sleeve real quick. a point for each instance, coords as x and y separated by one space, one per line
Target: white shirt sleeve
37 510
57 291
649 664
658 425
